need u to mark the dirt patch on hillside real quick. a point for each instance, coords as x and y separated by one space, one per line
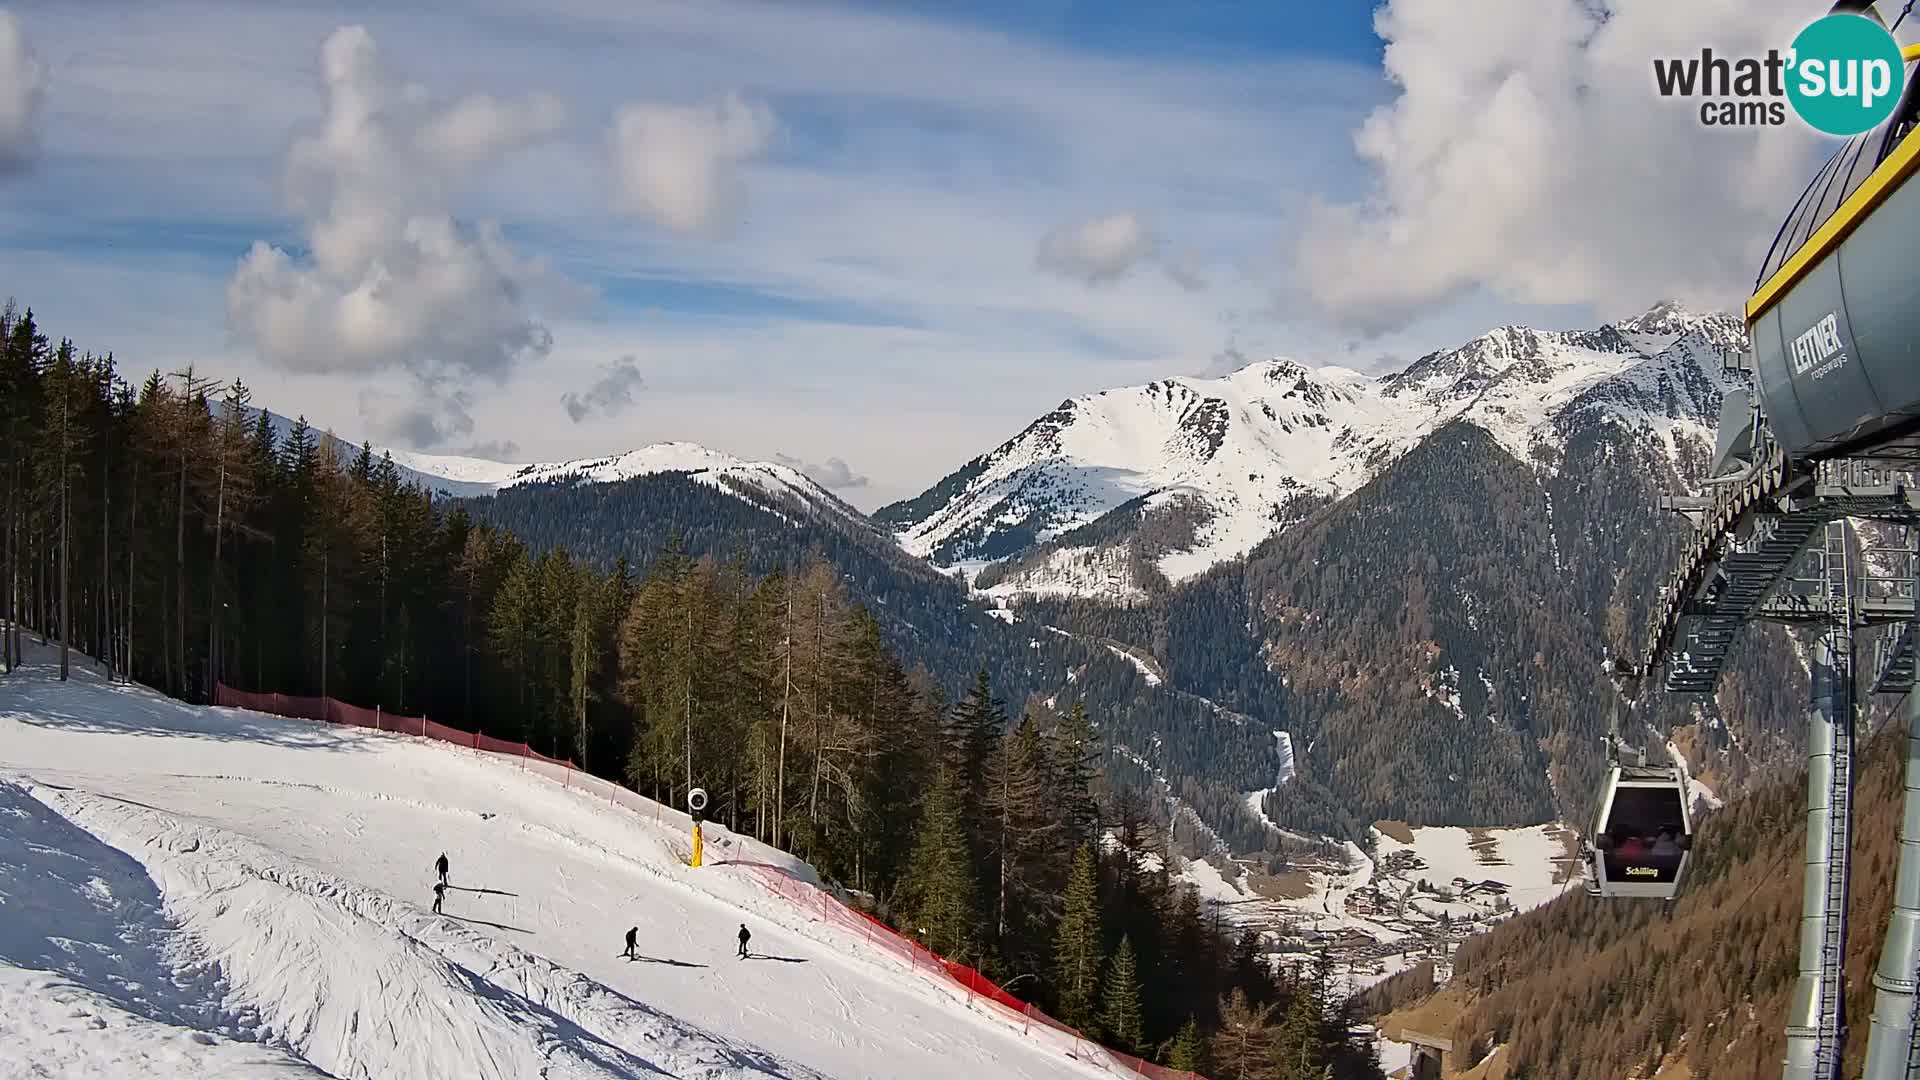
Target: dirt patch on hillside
1292 885
1566 865
1435 1016
1398 830
1485 847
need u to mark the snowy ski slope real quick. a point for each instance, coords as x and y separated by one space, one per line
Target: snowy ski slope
203 892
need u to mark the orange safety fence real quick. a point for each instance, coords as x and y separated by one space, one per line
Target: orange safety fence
803 895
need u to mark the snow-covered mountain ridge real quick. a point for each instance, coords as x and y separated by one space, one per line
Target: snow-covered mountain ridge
1178 475
769 485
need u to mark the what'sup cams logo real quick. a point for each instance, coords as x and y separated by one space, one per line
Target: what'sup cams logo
1842 75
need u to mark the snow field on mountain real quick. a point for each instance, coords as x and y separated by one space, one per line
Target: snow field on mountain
1233 448
1524 859
211 887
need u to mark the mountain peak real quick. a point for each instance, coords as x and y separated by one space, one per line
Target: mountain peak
1668 317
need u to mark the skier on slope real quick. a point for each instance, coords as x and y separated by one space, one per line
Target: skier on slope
440 866
439 894
744 938
630 936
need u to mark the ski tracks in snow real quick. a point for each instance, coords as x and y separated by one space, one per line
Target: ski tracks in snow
207 930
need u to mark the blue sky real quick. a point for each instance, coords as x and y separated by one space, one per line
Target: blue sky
888 233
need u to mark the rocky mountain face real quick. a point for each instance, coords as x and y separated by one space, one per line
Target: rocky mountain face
1404 585
1431 642
1125 493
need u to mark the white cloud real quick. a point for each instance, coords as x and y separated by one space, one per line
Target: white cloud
425 419
1100 250
494 450
23 80
834 474
679 165
1187 271
1529 154
609 395
394 280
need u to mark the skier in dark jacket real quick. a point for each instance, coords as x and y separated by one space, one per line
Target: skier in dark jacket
744 937
439 894
440 865
630 936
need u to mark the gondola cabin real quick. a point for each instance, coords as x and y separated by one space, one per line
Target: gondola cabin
1643 835
1835 314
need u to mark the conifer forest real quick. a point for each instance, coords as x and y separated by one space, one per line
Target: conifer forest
158 525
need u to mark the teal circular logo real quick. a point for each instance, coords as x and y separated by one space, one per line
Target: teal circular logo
1845 74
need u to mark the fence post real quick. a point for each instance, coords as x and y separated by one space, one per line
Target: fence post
423 725
376 718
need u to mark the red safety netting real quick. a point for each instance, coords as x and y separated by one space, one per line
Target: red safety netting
808 898
335 711
980 990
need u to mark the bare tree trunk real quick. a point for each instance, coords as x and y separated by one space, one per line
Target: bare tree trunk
786 697
103 615
467 649
180 571
213 579
686 601
325 552
11 585
66 606
133 532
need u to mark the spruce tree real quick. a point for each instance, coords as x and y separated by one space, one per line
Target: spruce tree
1076 759
1187 1052
1077 953
1121 1018
1244 1047
1299 1050
940 876
1032 857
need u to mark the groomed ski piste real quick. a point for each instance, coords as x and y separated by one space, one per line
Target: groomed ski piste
200 892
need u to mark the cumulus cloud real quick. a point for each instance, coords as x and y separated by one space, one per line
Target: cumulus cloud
426 420
1225 362
1099 250
610 394
835 474
393 281
679 165
492 450
23 79
1187 271
1528 154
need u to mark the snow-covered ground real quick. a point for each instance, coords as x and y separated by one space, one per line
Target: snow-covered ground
210 892
1384 914
1524 860
1702 794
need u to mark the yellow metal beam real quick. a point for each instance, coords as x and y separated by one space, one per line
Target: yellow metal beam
1882 182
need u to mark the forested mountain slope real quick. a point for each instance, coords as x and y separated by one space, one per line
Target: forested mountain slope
1205 756
1434 641
1583 988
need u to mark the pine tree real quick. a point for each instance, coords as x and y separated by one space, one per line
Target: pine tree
1243 1048
61 469
1121 1018
973 734
941 878
1077 952
1299 1053
1188 1051
1030 847
1075 751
